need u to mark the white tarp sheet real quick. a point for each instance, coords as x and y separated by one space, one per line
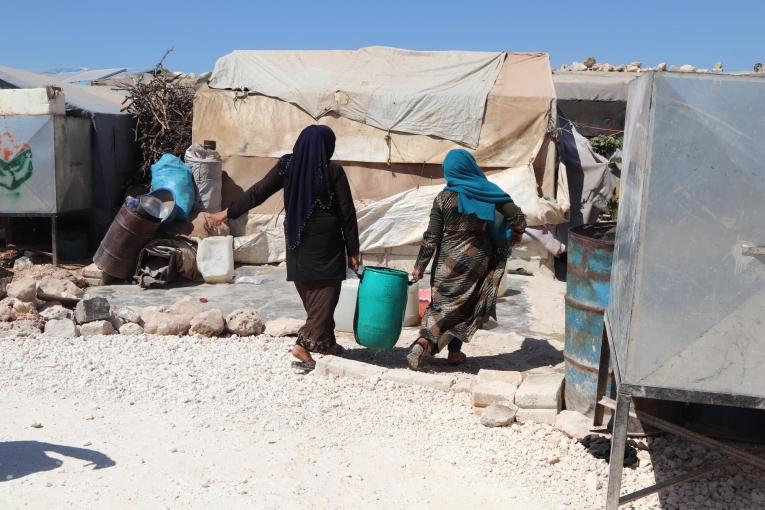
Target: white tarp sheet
440 94
401 219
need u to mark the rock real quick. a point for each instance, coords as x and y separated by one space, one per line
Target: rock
131 328
7 313
209 323
20 307
632 69
97 328
129 314
718 67
590 62
687 68
578 66
19 328
92 309
607 68
485 394
620 68
56 312
61 328
546 416
159 323
553 459
540 391
63 274
341 367
662 67
507 376
442 382
44 305
52 289
573 424
22 263
245 322
93 272
115 321
24 290
186 306
284 326
499 414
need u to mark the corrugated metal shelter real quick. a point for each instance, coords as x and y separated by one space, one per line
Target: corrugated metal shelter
595 101
112 148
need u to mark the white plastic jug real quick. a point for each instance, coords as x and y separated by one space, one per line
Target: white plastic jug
346 306
412 311
215 259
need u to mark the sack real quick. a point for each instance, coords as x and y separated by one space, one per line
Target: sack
205 165
164 261
169 173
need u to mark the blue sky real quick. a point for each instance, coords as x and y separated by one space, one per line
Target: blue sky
42 34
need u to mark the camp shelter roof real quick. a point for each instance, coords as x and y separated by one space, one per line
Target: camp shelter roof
517 116
85 76
79 97
592 85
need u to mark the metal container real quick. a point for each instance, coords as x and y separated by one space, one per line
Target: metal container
588 287
118 253
688 280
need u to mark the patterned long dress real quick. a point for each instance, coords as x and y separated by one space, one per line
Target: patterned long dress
466 272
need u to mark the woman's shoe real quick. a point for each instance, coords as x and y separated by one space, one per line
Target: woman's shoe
417 354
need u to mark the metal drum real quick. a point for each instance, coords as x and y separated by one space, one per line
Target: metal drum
128 234
588 287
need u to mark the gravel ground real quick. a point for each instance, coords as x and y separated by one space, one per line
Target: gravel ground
190 423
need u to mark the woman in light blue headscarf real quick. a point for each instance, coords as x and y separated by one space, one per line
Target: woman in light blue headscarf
472 226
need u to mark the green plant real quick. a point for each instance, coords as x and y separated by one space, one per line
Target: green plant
606 145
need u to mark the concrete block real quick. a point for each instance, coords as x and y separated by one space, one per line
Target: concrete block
540 391
485 394
464 385
510 377
340 367
575 425
536 416
441 382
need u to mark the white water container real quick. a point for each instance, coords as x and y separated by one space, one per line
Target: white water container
215 259
412 311
346 306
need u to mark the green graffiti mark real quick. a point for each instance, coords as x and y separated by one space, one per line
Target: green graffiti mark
17 171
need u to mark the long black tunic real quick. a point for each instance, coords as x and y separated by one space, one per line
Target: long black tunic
329 235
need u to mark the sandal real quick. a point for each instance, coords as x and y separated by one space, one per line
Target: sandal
339 351
417 354
456 358
302 366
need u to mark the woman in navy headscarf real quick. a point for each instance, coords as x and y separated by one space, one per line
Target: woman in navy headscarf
472 225
321 233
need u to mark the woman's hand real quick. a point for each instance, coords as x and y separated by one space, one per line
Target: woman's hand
354 261
417 275
516 239
217 219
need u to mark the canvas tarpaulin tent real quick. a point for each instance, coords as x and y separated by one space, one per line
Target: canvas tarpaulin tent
440 93
252 130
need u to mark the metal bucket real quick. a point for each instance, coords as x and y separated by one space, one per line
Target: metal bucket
126 237
590 253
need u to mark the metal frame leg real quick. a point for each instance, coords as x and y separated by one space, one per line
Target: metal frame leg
54 239
603 370
618 443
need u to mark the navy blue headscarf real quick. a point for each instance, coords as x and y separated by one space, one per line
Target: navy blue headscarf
306 184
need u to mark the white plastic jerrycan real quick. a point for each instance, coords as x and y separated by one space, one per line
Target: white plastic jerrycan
215 259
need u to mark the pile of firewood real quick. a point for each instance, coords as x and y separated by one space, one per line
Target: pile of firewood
162 107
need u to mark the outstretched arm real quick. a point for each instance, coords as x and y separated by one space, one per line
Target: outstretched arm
253 197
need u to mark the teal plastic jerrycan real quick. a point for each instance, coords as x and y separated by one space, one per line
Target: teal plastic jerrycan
380 307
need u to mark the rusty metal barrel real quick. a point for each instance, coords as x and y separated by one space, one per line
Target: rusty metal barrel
588 287
128 234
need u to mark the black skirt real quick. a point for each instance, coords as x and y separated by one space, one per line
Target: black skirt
321 254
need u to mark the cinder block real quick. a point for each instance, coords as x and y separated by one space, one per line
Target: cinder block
540 391
507 376
536 416
485 394
340 367
436 381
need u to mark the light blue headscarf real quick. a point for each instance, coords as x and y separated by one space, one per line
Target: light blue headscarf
475 193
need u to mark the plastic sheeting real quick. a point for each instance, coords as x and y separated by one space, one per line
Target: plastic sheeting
436 93
519 111
400 220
